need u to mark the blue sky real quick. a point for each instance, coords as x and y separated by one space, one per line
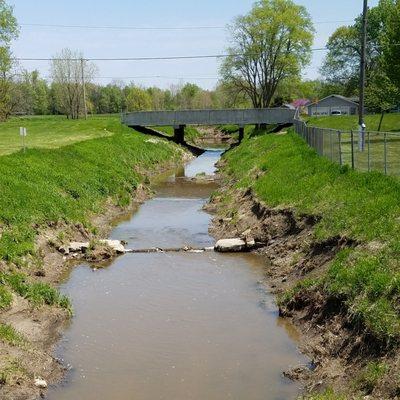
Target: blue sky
37 42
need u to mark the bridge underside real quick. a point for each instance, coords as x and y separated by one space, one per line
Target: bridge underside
180 119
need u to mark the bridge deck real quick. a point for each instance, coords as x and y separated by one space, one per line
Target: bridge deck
210 117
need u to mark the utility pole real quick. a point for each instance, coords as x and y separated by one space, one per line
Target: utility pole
361 121
84 87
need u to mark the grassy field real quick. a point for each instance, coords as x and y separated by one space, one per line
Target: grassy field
382 149
391 122
50 132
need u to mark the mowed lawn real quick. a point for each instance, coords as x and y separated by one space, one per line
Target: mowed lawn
391 122
54 131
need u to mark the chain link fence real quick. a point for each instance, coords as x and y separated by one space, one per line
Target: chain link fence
381 152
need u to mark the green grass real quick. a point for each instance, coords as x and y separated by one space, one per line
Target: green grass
12 371
391 122
10 336
229 129
53 131
305 284
327 395
5 297
381 148
72 182
370 376
38 293
361 206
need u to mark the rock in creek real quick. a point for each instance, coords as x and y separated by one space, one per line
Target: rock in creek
82 247
230 245
116 245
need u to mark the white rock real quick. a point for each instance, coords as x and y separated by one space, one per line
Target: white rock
116 245
250 243
40 383
230 245
75 247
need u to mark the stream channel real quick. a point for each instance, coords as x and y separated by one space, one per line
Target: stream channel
175 326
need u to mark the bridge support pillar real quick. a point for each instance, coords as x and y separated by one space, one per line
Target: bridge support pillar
179 134
241 133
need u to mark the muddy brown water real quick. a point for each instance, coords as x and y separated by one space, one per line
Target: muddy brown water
175 326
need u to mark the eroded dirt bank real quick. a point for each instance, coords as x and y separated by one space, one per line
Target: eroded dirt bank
339 348
27 355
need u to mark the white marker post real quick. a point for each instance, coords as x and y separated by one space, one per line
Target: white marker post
22 132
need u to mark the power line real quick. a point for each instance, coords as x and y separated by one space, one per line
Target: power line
135 28
149 77
132 58
158 77
194 57
149 28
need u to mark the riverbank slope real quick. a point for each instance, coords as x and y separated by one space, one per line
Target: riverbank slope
332 243
50 197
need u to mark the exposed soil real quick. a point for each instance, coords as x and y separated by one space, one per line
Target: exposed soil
338 349
43 327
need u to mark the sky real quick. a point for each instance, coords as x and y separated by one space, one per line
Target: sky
45 42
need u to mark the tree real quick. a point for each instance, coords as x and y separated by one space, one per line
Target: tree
66 71
381 95
271 43
138 99
391 40
342 64
227 96
8 32
106 99
187 95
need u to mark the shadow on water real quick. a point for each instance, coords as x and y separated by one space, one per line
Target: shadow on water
175 326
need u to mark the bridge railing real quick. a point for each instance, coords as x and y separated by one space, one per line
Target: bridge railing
381 152
209 117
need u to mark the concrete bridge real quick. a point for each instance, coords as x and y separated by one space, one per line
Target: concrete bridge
180 119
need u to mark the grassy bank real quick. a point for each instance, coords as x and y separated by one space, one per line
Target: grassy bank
391 122
362 206
58 184
67 185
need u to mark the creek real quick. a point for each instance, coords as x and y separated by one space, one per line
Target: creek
175 326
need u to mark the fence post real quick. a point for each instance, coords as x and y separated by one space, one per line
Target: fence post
352 149
340 148
369 151
331 144
321 134
385 152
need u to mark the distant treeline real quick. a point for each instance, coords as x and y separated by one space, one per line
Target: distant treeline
35 96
